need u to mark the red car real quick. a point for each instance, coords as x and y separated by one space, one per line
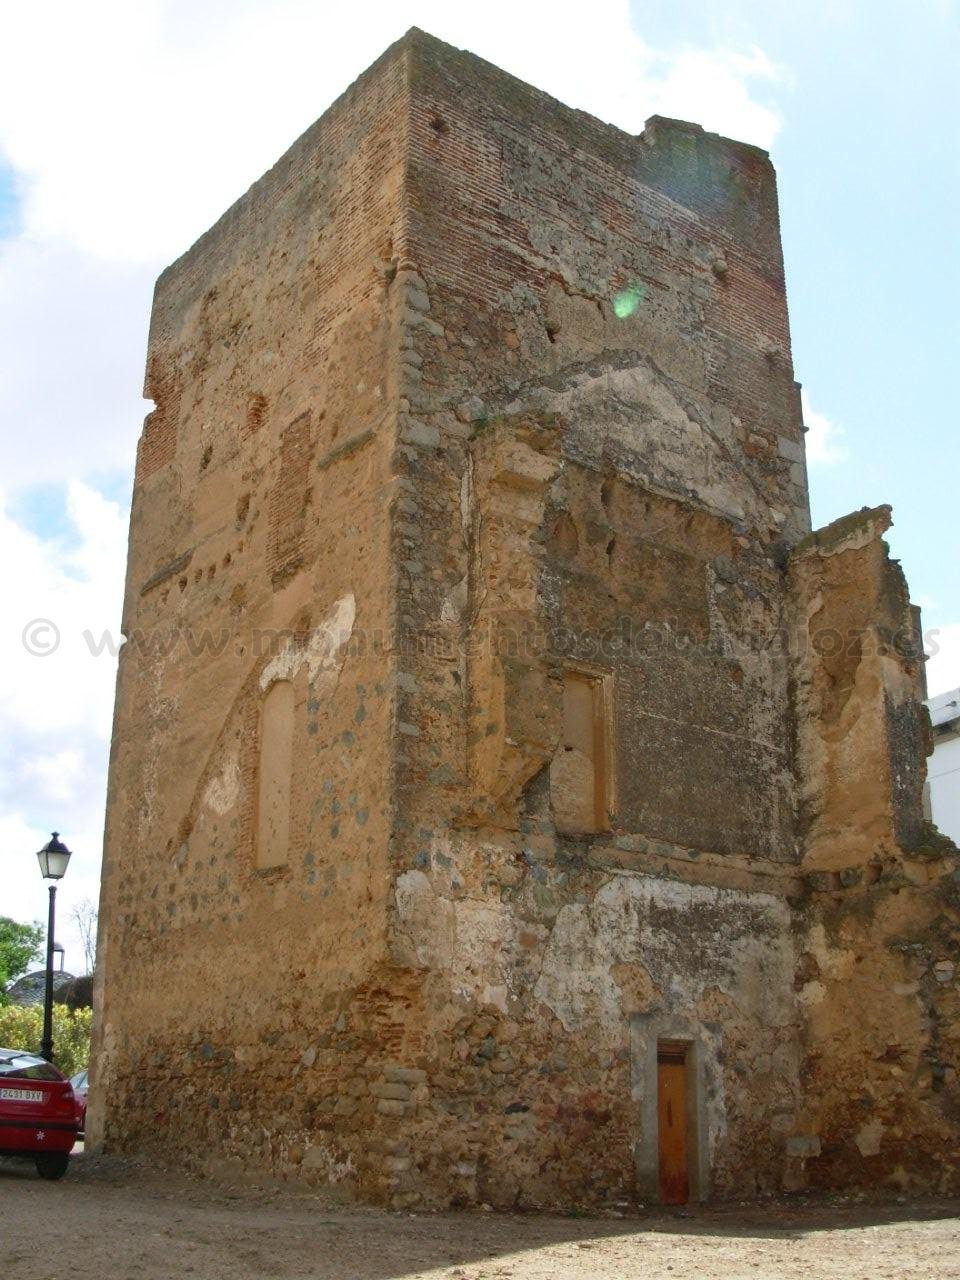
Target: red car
79 1083
38 1112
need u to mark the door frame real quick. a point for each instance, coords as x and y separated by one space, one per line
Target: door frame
704 1099
674 1054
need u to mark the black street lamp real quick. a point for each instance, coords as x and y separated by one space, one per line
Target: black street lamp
53 859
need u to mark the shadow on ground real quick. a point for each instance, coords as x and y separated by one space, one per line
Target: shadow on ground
110 1213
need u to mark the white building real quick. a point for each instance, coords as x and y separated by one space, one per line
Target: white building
943 767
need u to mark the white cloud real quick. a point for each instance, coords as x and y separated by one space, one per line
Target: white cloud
925 601
23 895
130 128
55 710
73 333
57 776
143 122
715 88
54 589
943 662
24 892
139 124
825 439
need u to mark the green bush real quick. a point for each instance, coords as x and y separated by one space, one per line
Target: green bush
21 1027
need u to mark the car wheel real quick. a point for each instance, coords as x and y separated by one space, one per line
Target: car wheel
52 1164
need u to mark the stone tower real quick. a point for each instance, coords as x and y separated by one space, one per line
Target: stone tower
511 801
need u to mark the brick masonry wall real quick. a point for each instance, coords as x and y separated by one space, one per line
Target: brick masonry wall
611 491
259 551
471 392
606 471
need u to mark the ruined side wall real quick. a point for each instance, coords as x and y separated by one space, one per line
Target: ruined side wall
601 451
259 553
878 937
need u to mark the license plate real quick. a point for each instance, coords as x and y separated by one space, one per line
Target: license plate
20 1095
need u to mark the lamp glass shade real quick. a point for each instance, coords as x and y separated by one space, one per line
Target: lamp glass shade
53 858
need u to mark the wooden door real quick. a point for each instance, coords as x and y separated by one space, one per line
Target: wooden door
672 1124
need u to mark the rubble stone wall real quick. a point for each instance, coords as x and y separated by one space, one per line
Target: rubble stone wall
878 934
235 913
484 412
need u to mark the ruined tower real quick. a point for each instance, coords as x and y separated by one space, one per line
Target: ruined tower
511 801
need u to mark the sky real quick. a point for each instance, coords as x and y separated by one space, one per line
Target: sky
127 128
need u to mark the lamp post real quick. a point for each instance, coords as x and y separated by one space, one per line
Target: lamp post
53 859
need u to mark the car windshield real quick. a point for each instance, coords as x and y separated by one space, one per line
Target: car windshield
24 1066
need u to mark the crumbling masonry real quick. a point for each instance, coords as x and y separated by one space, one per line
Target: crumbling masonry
511 800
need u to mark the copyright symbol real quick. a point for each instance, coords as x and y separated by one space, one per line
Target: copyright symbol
41 637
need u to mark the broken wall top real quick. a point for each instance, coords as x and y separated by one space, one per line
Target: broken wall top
727 184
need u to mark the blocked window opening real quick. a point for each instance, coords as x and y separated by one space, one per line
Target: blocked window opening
579 772
276 765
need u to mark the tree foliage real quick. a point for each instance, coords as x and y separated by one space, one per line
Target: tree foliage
19 947
21 1027
77 994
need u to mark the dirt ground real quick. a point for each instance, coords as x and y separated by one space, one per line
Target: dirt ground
116 1219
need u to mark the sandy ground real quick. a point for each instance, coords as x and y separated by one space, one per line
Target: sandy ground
113 1220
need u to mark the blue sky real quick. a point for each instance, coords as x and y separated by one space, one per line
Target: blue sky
8 202
869 177
106 174
868 167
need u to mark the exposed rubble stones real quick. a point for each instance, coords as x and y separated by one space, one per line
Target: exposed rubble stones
481 444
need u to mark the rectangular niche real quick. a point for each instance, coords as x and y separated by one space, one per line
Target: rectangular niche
276 768
580 771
